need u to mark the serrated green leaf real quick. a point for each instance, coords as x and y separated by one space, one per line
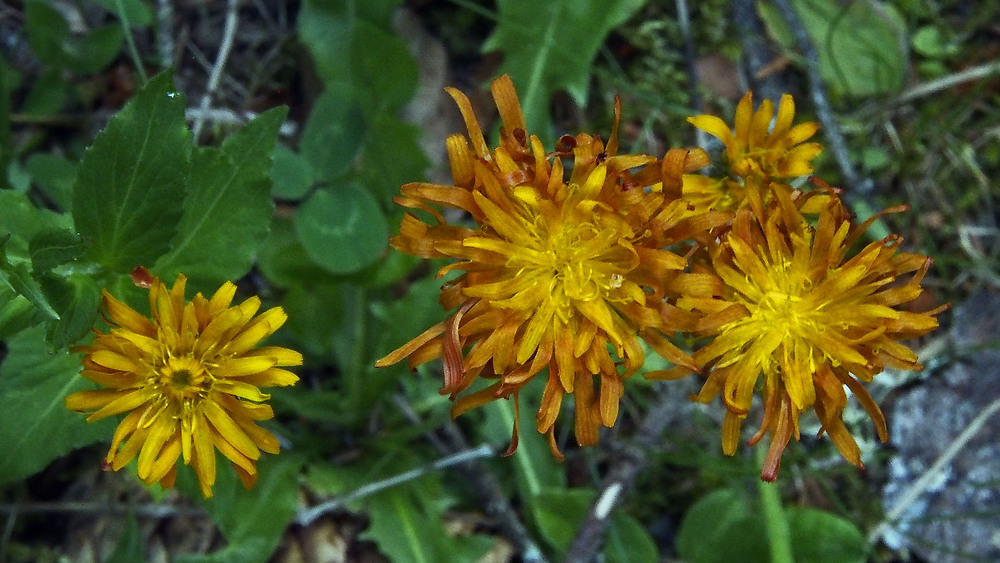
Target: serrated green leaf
54 247
342 229
291 175
821 537
54 175
125 199
228 207
77 300
551 45
331 138
35 426
16 313
21 220
861 46
17 276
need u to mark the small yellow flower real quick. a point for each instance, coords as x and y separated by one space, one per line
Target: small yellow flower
557 273
789 305
756 155
189 377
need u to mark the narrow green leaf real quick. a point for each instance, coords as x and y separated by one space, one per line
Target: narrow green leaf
551 45
35 426
130 545
125 199
253 519
342 229
228 207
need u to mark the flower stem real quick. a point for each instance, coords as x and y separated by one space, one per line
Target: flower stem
778 536
130 41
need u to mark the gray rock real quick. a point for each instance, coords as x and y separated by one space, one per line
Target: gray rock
958 517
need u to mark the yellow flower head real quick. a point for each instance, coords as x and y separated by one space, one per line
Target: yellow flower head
189 378
556 271
790 306
757 154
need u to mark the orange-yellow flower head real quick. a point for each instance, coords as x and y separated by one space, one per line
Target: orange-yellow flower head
189 379
756 154
556 273
793 310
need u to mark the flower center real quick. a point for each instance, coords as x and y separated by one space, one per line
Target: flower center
184 378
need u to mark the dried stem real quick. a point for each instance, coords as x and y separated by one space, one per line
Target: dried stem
619 482
483 484
821 102
228 34
309 515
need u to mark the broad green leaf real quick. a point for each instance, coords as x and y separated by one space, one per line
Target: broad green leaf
48 94
136 11
125 199
284 262
551 45
720 528
392 157
342 229
383 70
821 537
53 42
291 175
325 29
315 314
228 206
333 134
256 518
861 44
35 426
